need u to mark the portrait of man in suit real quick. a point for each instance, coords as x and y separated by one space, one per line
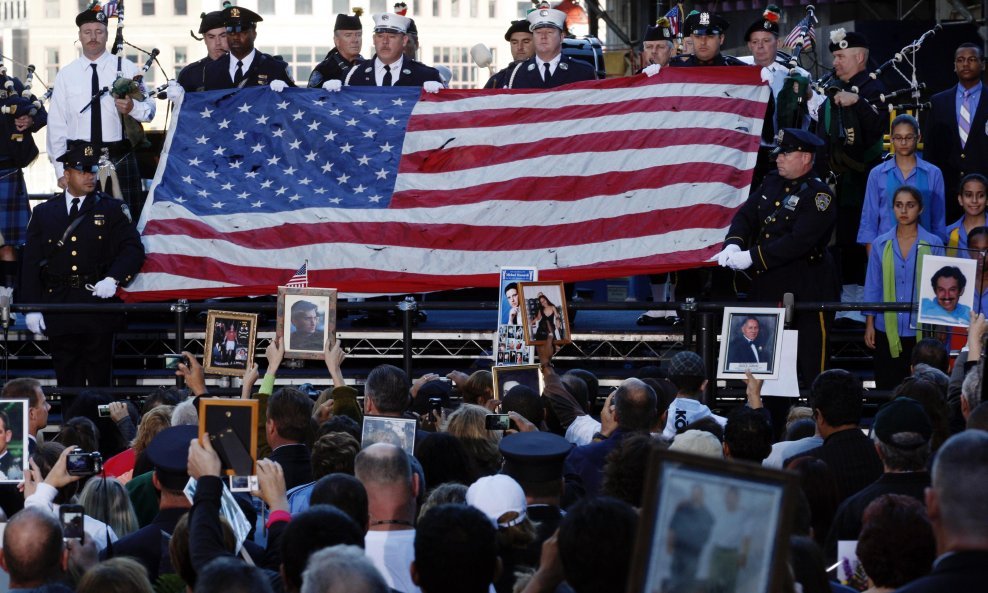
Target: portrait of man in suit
751 345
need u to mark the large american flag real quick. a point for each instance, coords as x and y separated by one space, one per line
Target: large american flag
384 190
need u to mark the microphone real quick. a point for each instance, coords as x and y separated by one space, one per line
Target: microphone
788 300
5 306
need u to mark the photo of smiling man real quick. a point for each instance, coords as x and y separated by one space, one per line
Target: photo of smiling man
943 299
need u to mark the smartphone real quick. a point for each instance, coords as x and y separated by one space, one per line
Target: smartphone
71 516
497 422
103 411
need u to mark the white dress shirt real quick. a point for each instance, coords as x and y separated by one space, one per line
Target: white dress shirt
73 91
247 61
553 63
395 71
68 201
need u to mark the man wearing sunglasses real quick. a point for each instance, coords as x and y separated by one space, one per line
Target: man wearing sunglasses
81 244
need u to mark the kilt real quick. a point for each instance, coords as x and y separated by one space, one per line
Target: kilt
14 209
131 187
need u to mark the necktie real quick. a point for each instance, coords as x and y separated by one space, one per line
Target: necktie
238 76
548 75
964 121
387 76
74 210
96 119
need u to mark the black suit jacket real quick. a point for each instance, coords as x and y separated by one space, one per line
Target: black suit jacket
738 350
942 143
296 462
105 243
959 571
263 70
149 545
193 76
851 456
412 74
527 75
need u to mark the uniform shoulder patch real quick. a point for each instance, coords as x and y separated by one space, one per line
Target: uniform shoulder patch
822 201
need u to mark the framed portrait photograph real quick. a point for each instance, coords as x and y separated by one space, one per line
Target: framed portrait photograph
509 306
947 286
544 313
13 440
507 377
751 339
229 342
712 525
232 428
396 431
306 318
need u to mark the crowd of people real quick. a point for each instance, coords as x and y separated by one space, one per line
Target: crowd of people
554 503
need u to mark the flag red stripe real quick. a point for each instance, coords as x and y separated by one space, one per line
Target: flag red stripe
567 113
464 237
576 187
467 157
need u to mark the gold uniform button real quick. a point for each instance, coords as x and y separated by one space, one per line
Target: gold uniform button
767 235
74 268
73 239
777 204
74 254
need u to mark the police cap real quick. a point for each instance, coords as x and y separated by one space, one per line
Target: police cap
389 22
534 456
168 452
794 139
705 23
238 19
81 157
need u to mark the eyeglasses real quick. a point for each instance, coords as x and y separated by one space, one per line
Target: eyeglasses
909 138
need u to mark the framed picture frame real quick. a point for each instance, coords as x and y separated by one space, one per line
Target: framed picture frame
509 341
232 428
712 525
947 287
544 312
506 377
751 339
307 316
396 431
14 442
229 342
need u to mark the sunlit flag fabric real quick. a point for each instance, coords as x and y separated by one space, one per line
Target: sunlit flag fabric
384 191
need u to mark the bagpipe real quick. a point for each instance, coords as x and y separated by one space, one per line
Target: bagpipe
913 89
791 106
15 104
828 85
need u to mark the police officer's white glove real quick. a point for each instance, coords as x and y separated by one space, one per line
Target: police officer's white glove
431 86
278 85
175 92
651 70
739 261
105 288
332 85
35 323
721 258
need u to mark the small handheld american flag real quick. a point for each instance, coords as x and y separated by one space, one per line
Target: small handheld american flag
301 277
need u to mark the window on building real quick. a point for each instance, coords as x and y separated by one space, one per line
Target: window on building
181 7
265 6
466 74
147 7
139 58
435 7
181 58
454 8
416 7
51 9
474 8
51 65
303 6
341 6
523 8
492 9
378 6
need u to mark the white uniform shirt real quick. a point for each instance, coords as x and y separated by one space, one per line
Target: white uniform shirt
73 91
395 71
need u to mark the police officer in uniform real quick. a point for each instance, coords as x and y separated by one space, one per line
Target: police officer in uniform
244 66
548 68
81 245
707 32
519 35
213 31
779 238
389 66
336 65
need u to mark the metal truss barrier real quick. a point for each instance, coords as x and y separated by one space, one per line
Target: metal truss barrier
698 331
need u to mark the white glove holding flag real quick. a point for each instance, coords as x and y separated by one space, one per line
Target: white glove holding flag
175 92
105 288
35 323
431 86
278 85
332 86
721 258
739 261
651 70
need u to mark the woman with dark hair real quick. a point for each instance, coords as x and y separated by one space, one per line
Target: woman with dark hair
896 545
820 487
548 321
891 278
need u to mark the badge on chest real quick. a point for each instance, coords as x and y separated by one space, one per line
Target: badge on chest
791 203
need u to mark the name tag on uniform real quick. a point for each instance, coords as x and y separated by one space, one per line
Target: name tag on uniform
99 219
791 203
